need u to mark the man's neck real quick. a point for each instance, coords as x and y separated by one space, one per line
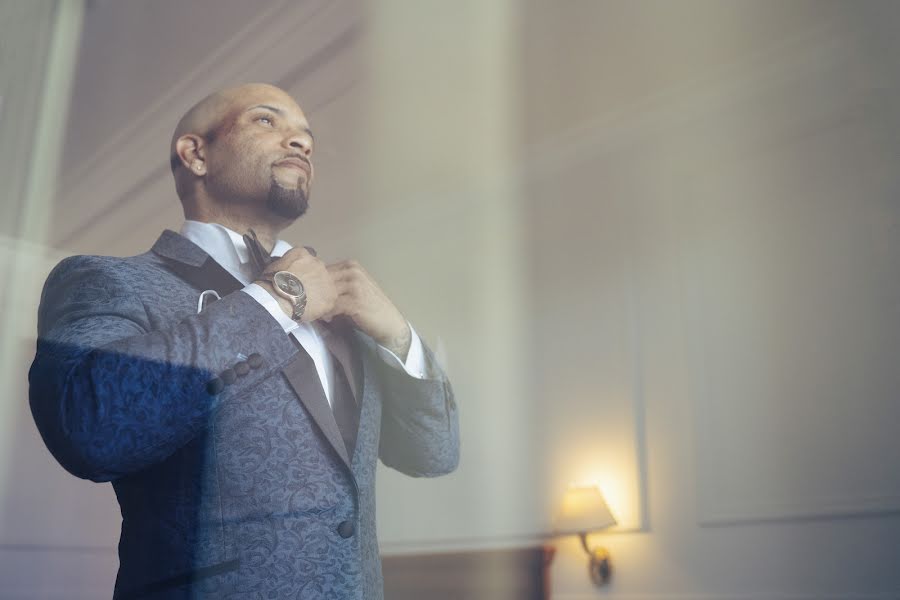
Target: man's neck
266 233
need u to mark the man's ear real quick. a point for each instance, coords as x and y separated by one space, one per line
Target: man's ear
191 150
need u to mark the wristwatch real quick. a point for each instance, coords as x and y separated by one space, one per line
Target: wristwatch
287 285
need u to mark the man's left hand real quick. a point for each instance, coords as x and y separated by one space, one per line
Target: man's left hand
360 299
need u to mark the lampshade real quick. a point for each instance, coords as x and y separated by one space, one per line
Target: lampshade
583 510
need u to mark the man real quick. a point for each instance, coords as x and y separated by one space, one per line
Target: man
239 413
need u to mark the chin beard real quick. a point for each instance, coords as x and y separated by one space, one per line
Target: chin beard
287 203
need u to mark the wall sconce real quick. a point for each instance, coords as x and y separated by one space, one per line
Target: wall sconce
584 510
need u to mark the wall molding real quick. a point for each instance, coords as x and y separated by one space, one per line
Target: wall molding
715 508
438 546
812 509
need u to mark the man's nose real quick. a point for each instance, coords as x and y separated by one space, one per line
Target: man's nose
301 142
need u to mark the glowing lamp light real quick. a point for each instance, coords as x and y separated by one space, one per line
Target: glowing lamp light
583 511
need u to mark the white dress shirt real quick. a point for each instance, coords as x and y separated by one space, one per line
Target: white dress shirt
228 248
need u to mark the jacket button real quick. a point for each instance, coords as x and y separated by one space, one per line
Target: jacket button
241 368
346 529
228 376
215 386
255 361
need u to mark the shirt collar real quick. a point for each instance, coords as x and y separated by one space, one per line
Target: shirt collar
225 246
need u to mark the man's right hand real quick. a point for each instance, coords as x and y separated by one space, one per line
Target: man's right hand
310 270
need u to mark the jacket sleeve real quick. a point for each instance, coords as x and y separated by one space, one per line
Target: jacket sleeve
419 420
111 396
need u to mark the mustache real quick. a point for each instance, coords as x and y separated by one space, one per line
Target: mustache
299 157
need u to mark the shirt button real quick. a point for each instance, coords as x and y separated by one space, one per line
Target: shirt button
228 376
215 386
255 361
346 529
241 368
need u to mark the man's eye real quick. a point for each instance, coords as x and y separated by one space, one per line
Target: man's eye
265 120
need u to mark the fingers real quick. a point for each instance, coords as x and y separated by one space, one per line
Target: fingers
298 253
346 266
351 286
345 303
353 289
291 257
348 270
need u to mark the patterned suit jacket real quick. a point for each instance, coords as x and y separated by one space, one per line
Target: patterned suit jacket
213 428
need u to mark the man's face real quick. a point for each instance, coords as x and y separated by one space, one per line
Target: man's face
261 153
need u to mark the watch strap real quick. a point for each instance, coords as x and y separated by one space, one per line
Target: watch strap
298 304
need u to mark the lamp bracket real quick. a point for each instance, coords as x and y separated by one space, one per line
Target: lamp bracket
600 567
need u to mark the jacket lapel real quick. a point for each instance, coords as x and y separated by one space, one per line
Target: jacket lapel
198 268
304 379
194 265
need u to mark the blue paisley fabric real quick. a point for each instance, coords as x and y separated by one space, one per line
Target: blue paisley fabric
227 483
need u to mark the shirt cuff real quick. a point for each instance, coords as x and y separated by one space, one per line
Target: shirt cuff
415 358
259 294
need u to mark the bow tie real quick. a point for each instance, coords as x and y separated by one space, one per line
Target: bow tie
259 256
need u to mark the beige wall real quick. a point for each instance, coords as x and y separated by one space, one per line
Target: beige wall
711 192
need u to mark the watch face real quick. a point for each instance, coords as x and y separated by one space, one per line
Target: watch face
288 283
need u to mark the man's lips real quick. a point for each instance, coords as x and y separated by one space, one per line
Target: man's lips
297 163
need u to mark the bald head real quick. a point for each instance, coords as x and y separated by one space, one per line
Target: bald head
206 117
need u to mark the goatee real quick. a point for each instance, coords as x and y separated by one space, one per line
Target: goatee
287 203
